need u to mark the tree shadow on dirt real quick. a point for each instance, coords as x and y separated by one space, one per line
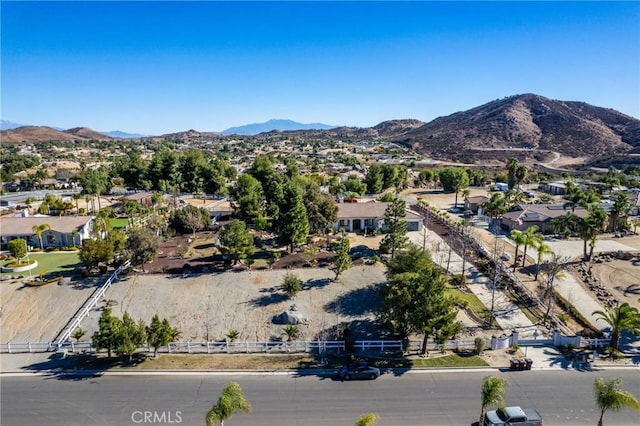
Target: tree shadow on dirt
316 283
78 367
271 297
362 301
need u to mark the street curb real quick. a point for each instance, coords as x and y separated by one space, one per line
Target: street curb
305 372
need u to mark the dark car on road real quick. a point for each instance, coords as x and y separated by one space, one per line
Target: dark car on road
358 371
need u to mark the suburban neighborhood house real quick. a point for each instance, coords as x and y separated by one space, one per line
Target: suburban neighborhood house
65 231
541 215
357 217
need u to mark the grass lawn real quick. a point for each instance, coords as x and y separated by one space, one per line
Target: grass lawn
227 362
52 262
119 222
473 302
453 360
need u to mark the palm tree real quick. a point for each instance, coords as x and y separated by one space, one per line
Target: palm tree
552 269
496 206
291 331
369 419
531 238
230 402
591 226
622 317
621 208
610 396
565 225
493 393
542 249
518 237
39 230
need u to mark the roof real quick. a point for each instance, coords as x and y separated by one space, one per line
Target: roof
371 210
478 199
542 212
24 225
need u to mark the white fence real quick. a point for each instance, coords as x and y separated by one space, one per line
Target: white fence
77 319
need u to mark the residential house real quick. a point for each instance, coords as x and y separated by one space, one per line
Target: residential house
541 215
356 217
555 188
144 198
474 203
66 231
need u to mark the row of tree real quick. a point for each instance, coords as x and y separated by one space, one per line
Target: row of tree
124 336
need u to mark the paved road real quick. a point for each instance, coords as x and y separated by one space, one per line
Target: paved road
417 398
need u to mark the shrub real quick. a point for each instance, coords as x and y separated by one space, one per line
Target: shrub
291 284
513 349
478 344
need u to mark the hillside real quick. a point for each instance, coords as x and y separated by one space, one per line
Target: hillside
531 125
36 134
87 133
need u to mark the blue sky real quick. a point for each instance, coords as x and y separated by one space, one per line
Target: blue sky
159 67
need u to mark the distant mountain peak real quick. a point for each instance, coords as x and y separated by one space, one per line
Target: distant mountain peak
274 124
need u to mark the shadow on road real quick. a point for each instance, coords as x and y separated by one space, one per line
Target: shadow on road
79 367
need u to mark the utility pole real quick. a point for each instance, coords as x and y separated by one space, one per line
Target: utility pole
496 275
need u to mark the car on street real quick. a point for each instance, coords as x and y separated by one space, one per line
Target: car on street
360 370
505 256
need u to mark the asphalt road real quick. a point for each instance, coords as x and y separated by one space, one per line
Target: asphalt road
447 398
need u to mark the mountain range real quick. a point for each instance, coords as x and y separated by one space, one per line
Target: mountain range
281 125
527 126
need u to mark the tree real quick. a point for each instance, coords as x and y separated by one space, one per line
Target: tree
342 261
621 208
131 208
291 284
552 269
292 332
39 230
492 393
374 179
369 419
236 241
495 206
609 396
160 333
94 252
194 221
622 317
516 173
230 402
565 225
293 224
18 248
78 334
531 238
591 226
321 209
142 246
106 337
248 199
518 238
454 179
396 236
414 299
130 336
543 249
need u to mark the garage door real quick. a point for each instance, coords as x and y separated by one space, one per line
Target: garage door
413 226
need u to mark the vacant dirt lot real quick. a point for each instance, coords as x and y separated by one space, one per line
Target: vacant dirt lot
208 306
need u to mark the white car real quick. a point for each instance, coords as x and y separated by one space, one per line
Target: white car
505 256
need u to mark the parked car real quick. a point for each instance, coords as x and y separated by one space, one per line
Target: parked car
505 256
360 370
513 416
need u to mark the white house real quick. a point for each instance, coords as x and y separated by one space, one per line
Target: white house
356 217
66 231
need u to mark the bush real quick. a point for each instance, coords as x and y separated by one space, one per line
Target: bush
291 284
478 344
513 349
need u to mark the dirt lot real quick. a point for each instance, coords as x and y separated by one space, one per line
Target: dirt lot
37 314
207 306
